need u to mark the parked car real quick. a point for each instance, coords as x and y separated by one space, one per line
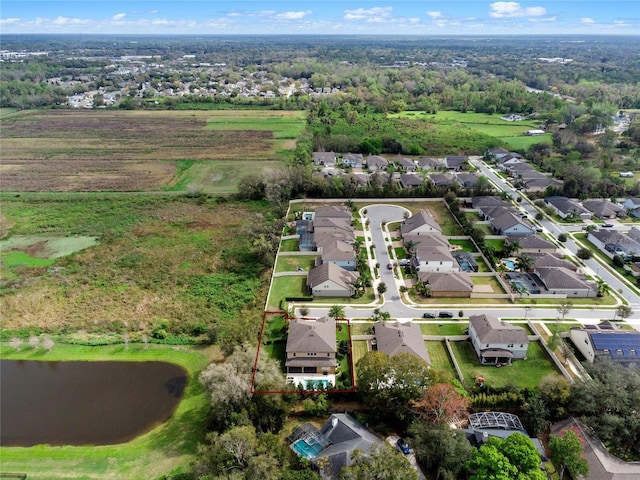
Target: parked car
428 315
607 225
403 447
390 266
445 315
539 230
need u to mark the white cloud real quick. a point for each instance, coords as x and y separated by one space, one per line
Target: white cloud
514 9
9 21
62 21
543 19
587 21
119 16
434 14
161 21
293 15
375 14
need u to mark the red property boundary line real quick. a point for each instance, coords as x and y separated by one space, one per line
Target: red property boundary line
296 390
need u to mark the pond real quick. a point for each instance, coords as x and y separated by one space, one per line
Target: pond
85 403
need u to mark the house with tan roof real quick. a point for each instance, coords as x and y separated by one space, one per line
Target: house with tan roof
495 341
511 225
533 244
330 280
561 280
448 284
397 337
376 162
335 250
420 223
311 349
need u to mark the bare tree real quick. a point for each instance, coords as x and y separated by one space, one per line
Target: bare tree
145 340
47 344
564 307
126 338
16 343
34 342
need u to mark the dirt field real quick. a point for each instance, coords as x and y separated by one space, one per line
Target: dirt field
63 150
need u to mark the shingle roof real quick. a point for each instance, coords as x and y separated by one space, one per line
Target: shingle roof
433 239
433 253
376 161
550 260
485 201
317 336
411 179
401 337
428 162
332 211
447 281
330 271
602 207
562 278
507 220
533 241
418 220
490 330
335 249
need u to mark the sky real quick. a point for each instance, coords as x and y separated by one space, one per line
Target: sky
384 17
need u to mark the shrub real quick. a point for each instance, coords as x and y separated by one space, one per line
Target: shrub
562 237
584 253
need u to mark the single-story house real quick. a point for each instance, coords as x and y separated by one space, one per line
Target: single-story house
328 159
632 205
405 164
397 337
495 341
567 207
311 349
541 184
511 225
376 162
421 222
467 180
549 260
533 244
614 243
561 280
353 160
410 180
495 153
603 208
602 465
428 163
606 340
442 179
479 201
490 212
330 280
448 284
455 162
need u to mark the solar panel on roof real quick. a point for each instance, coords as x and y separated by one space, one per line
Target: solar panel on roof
613 342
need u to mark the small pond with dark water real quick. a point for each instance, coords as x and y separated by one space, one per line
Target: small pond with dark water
85 403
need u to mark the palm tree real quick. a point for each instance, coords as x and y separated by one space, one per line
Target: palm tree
525 263
511 248
603 287
336 312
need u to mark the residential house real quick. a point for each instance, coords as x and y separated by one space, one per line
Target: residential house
602 465
634 234
376 162
564 281
410 180
508 161
335 250
540 184
606 340
549 260
397 337
518 170
311 350
490 212
632 205
353 160
480 201
495 153
510 225
434 239
495 341
448 284
429 258
442 179
332 211
567 207
532 244
428 163
467 180
333 225
405 164
421 222
603 208
330 280
512 117
327 159
455 162
342 436
613 243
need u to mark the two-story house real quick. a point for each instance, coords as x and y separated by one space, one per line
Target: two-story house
311 350
495 341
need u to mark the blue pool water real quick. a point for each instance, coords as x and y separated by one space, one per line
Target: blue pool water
465 266
518 285
510 264
317 384
306 448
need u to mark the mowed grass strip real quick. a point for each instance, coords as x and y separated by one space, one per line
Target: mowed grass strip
439 356
170 447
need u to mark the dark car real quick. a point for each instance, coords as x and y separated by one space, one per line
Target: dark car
428 315
607 225
389 266
403 447
445 315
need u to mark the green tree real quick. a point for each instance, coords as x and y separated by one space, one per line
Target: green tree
536 415
383 463
623 311
488 463
584 253
567 453
382 287
555 391
336 311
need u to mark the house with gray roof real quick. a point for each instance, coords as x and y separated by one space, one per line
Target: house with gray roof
540 184
410 180
602 465
376 162
335 250
508 160
533 244
332 211
421 222
447 284
311 349
550 260
405 164
495 341
435 239
480 201
353 160
632 205
511 225
467 180
428 163
490 212
328 159
442 179
331 280
430 258
563 281
603 208
613 243
495 153
606 340
567 207
455 162
397 337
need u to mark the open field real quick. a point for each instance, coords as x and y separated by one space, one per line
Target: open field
168 448
511 133
63 150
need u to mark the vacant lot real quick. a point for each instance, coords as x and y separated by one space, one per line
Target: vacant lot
56 150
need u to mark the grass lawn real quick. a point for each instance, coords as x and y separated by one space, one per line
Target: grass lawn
358 350
496 243
290 245
444 328
342 333
491 281
368 297
292 263
168 448
467 245
287 287
522 373
440 359
401 253
482 265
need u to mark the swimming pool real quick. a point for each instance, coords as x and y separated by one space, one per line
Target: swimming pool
510 264
465 266
306 447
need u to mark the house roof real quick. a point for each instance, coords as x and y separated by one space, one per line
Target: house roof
418 220
447 281
468 179
432 238
332 211
433 253
487 200
405 162
612 237
495 211
442 178
428 162
335 249
344 435
331 272
533 241
490 330
602 465
602 207
332 224
401 337
411 179
324 157
352 157
562 278
376 161
310 336
566 205
497 151
550 260
506 221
